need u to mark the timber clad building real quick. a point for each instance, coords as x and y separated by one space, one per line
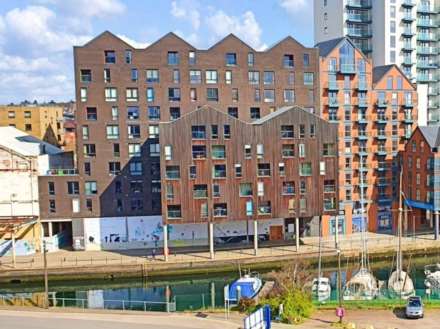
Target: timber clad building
218 168
123 94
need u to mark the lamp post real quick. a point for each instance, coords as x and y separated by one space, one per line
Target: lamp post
340 312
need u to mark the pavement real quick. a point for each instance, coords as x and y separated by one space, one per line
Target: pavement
348 244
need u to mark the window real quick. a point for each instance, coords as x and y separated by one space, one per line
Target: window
238 170
312 130
89 205
112 132
27 127
212 94
52 206
110 57
192 57
235 94
115 113
231 59
90 188
154 150
83 94
135 168
174 211
228 77
329 149
305 169
399 83
111 94
281 169
263 169
172 172
150 94
214 131
153 131
198 151
390 82
269 77
134 150
233 111
114 168
306 60
136 186
170 191
254 77
91 113
193 94
176 76
131 94
257 96
269 95
133 131
85 132
198 132
173 58
302 131
153 75
227 131
51 188
87 168
128 56
134 75
133 112
218 152
174 113
288 61
89 150
154 113
192 172
200 191
308 78
251 59
302 187
86 76
245 189
107 76
260 188
73 188
260 151
174 94
287 131
288 150
288 188
195 76
289 96
211 76
219 171
247 151
255 113
220 210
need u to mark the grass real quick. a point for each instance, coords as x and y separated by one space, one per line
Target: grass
378 304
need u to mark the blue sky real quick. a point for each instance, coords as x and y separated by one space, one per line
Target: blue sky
36 36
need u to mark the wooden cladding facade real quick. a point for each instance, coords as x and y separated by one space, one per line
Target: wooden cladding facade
262 136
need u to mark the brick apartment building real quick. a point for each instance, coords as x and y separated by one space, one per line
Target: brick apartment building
113 196
42 122
218 169
376 111
420 181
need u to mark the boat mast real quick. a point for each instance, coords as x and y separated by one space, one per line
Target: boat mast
363 222
319 260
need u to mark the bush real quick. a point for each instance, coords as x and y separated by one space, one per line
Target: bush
246 305
297 305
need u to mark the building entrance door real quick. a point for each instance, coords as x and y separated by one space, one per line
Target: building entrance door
276 232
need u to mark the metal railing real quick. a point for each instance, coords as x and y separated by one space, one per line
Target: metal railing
62 172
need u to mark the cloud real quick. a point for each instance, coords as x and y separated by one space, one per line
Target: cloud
245 27
191 38
294 6
133 43
188 11
87 8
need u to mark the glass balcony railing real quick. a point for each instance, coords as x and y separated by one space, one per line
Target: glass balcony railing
333 102
426 37
382 103
362 85
425 8
427 50
359 3
362 102
407 31
333 85
359 32
426 65
407 61
408 3
347 68
407 46
358 17
62 172
426 23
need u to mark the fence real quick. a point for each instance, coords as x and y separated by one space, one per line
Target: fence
82 303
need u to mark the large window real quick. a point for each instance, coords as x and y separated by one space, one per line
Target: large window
92 113
172 172
245 189
198 132
110 56
305 169
112 132
173 58
154 113
211 76
212 94
269 77
133 112
254 77
90 188
152 75
346 56
195 76
111 94
231 59
174 94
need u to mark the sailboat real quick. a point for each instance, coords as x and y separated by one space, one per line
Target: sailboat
321 288
363 285
399 282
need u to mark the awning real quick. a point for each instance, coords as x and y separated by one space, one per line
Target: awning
419 204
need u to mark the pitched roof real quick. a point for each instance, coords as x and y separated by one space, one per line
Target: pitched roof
380 71
109 34
24 144
431 134
230 36
326 47
278 112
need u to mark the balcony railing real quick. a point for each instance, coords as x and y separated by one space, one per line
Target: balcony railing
362 85
408 32
218 154
359 32
62 172
333 85
425 8
427 50
333 102
426 23
263 172
358 17
382 103
426 65
363 102
345 68
359 3
426 37
329 188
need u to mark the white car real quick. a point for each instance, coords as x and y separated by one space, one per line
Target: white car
414 307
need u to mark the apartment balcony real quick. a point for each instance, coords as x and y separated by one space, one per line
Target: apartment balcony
363 136
359 33
382 103
426 37
433 91
407 61
433 118
364 184
407 17
366 49
427 51
425 9
381 135
381 119
408 119
408 104
347 68
362 119
362 86
426 23
407 47
363 151
359 4
426 65
359 18
62 172
382 182
333 86
408 3
332 102
362 102
382 151
425 78
408 32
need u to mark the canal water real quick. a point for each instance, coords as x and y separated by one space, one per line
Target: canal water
188 293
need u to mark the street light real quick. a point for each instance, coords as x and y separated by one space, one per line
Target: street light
340 312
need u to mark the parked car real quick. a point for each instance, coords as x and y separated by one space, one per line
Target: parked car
414 307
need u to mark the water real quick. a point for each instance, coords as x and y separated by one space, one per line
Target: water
189 293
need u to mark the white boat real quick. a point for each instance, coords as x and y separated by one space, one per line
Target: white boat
432 273
399 282
321 288
363 285
247 286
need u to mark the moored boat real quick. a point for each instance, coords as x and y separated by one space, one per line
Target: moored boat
247 286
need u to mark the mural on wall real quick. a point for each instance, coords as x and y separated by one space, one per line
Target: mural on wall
22 248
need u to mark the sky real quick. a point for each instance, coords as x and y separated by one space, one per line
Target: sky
37 36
